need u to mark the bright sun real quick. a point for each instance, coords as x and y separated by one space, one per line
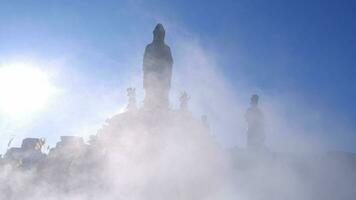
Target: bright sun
24 89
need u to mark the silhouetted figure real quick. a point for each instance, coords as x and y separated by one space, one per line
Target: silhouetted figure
157 71
184 99
255 120
131 94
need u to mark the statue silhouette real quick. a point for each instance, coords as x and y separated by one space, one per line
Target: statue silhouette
184 99
131 94
157 71
255 120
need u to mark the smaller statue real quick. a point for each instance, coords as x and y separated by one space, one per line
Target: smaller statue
184 99
255 120
131 94
204 120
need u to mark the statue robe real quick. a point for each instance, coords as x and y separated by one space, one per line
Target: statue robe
157 68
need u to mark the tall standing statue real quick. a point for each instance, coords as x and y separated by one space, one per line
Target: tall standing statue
157 71
254 117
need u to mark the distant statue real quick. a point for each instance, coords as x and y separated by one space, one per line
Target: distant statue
131 94
204 120
184 99
255 120
157 71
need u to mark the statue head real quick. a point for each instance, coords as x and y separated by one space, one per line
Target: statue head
254 100
158 33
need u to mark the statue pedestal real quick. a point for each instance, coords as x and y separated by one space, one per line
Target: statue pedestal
164 153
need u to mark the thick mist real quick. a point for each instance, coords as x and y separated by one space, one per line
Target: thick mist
171 153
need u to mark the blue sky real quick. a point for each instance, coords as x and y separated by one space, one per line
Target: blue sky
303 48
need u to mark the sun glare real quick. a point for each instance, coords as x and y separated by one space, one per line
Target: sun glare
24 89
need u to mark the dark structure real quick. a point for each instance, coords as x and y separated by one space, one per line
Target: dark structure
254 117
32 144
157 71
28 156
